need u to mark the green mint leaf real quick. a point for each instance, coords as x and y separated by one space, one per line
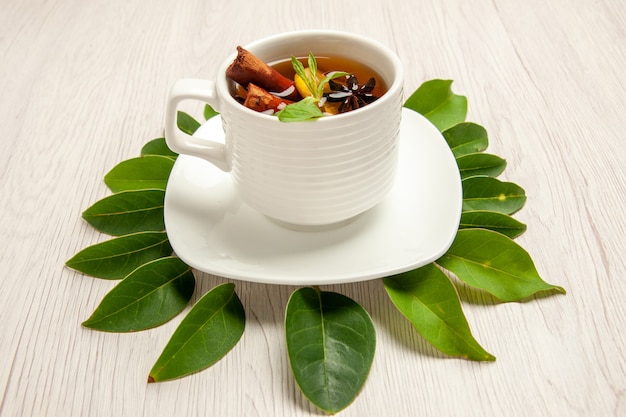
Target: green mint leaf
309 80
305 109
298 67
118 257
313 67
149 296
158 147
480 164
464 138
210 330
331 342
486 193
334 74
491 261
435 100
327 78
492 220
209 112
128 212
186 123
428 299
147 172
314 86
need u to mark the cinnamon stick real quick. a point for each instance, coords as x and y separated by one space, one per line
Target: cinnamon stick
261 100
247 68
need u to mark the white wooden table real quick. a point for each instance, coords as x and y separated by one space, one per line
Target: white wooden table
82 87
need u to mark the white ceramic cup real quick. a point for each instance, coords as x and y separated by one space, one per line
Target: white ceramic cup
316 172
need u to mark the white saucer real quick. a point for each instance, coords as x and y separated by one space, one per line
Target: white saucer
213 231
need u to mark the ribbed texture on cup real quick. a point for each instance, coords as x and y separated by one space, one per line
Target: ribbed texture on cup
316 172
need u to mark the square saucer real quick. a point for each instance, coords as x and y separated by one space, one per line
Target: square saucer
212 230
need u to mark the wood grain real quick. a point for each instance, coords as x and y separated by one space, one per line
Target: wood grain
83 86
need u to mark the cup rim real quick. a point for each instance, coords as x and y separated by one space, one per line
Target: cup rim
394 88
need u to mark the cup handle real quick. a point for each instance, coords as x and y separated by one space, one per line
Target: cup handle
181 142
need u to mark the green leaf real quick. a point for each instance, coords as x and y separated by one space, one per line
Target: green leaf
331 76
298 68
428 299
466 138
208 332
209 112
492 220
149 296
305 109
313 71
486 193
435 100
116 258
128 212
158 146
151 171
491 261
331 342
186 123
480 164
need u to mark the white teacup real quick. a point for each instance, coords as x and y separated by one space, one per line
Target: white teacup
315 172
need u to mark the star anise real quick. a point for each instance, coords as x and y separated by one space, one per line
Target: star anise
351 95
